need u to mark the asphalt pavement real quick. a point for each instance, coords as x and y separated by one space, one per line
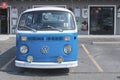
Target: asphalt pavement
98 60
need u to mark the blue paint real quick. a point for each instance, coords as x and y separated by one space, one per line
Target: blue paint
55 42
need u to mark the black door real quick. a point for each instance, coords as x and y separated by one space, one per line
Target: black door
3 21
102 20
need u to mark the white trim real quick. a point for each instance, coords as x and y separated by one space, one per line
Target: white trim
48 32
115 14
45 65
89 19
0 25
10 20
48 8
101 6
36 6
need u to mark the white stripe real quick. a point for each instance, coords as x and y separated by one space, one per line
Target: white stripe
92 58
46 32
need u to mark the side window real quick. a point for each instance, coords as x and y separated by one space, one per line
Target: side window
71 22
22 20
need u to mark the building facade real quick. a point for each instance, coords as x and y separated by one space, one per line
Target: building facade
93 17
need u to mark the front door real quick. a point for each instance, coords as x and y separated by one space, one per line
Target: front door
4 21
102 20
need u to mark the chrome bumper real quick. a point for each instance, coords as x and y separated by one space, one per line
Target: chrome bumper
45 64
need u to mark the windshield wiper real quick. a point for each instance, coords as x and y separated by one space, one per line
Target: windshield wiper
55 28
34 30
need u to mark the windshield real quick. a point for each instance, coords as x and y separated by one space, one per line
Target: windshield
46 20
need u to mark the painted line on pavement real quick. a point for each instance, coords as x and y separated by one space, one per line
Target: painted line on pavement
92 59
6 65
105 42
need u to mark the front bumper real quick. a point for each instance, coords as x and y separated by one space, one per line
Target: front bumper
45 65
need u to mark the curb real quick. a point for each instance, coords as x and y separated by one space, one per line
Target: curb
98 36
79 36
105 42
6 37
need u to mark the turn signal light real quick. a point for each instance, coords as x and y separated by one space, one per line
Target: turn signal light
24 38
29 59
67 38
60 59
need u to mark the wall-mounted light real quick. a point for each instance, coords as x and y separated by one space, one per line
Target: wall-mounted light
4 5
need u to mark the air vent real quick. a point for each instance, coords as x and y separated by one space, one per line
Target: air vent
54 38
36 38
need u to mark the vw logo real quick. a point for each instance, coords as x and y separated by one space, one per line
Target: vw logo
45 49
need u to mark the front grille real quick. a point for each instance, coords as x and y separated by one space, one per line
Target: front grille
46 38
36 38
54 38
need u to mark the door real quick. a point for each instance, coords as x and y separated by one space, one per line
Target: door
4 21
102 20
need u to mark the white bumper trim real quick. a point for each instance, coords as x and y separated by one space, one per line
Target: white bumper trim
46 64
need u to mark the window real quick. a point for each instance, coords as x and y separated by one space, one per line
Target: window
46 20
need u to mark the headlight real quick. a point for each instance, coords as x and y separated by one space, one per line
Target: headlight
23 49
67 49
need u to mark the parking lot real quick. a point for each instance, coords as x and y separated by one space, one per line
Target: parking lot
99 59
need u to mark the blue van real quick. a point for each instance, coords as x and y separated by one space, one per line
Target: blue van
46 38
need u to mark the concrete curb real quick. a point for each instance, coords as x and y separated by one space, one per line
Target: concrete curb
98 36
105 42
6 37
79 36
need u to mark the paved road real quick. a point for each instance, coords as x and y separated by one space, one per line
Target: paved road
96 62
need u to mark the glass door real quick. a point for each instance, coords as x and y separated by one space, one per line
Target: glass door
101 20
4 21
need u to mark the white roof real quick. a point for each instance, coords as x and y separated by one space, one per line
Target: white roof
47 8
